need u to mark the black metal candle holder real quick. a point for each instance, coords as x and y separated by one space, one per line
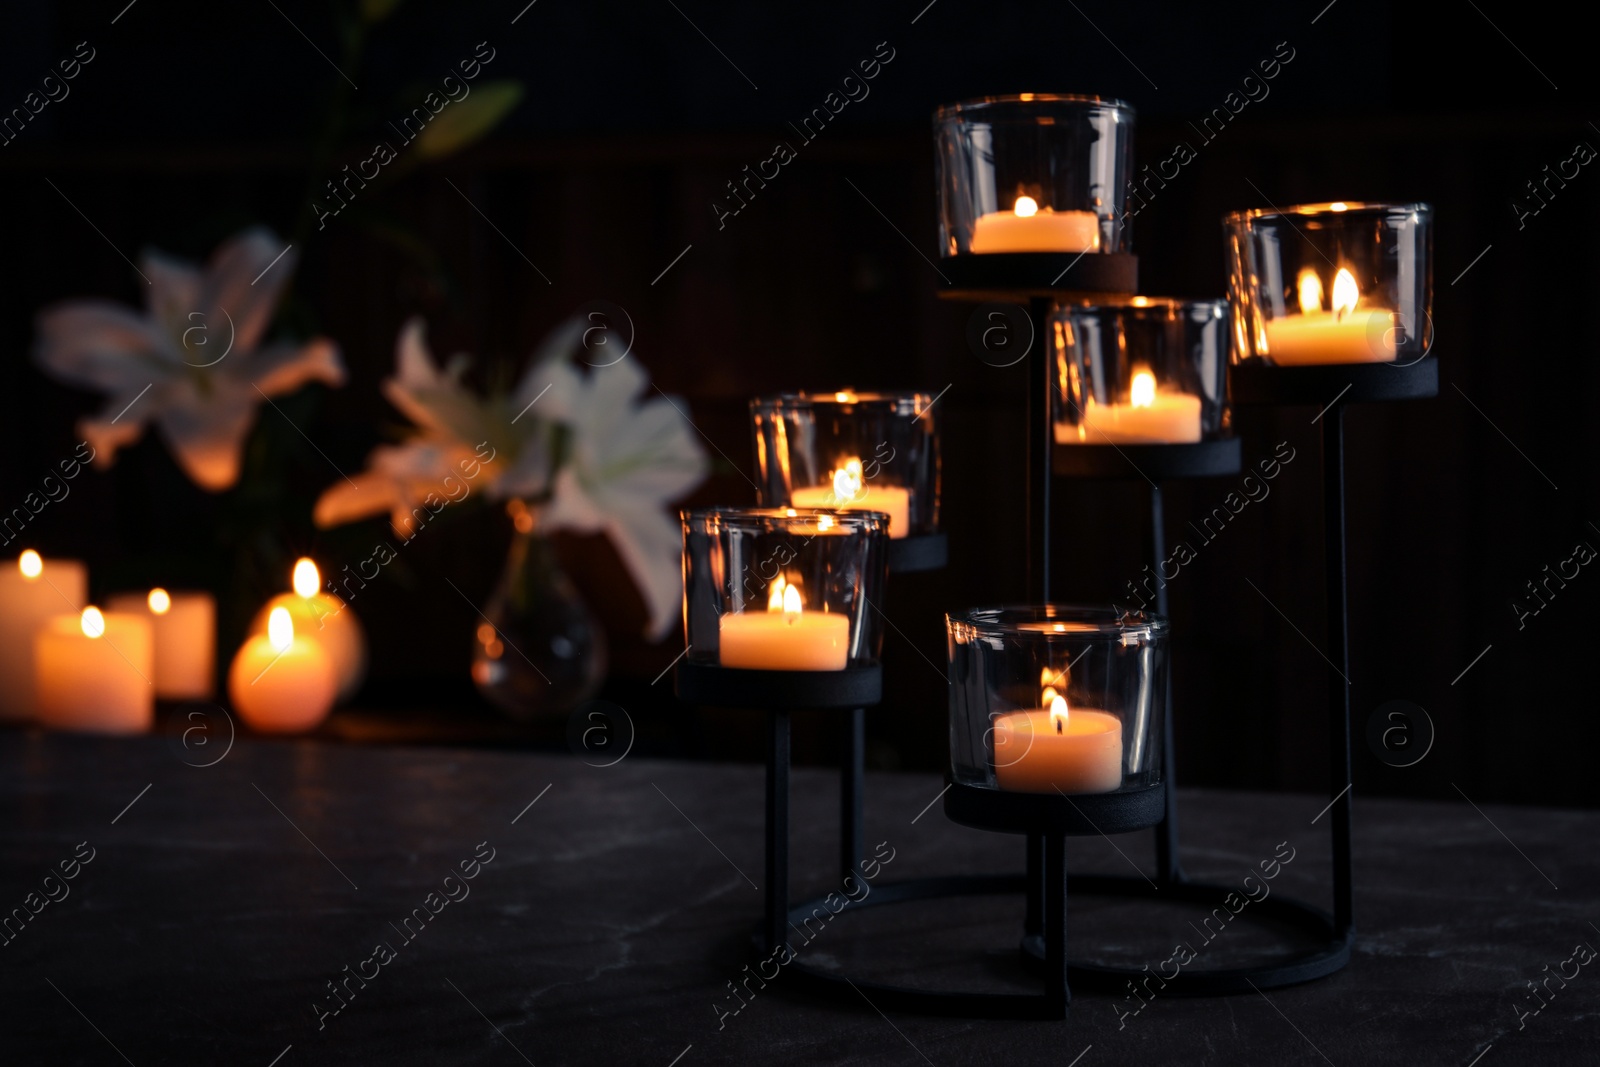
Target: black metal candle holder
1157 463
1334 387
1020 277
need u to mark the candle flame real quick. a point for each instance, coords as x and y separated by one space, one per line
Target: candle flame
30 564
1143 391
1026 206
1058 713
93 623
306 578
845 396
775 595
280 629
160 601
791 600
1338 205
1310 291
1345 293
847 481
824 522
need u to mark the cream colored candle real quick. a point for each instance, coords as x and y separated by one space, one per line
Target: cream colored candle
1026 228
32 591
93 673
325 619
1346 334
850 490
785 637
1044 750
281 682
184 626
1150 417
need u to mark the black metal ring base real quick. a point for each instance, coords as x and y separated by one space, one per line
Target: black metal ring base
1025 275
1203 459
921 552
1291 970
1256 382
1054 813
735 687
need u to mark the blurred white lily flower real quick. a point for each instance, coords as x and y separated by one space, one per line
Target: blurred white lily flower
618 463
191 362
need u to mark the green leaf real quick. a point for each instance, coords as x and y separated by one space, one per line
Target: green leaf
375 11
459 124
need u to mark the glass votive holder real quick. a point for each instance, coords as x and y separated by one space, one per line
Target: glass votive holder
1153 371
851 451
1331 283
1035 172
783 588
1049 698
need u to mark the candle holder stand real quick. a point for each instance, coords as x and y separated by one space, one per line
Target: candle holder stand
1045 882
1050 819
1333 388
778 694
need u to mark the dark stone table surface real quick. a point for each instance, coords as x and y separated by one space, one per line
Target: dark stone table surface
210 906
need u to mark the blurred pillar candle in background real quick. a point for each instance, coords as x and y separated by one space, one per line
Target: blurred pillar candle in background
325 619
32 591
282 682
93 673
184 626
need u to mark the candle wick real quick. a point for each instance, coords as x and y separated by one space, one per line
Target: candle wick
1058 726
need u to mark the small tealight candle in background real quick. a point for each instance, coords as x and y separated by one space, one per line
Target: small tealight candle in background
1029 228
1149 417
785 637
851 490
93 673
1344 334
185 629
31 593
282 682
325 619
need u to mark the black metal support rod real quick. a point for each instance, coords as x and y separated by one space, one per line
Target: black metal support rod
777 858
1339 785
1041 440
1169 869
852 797
1033 918
1055 926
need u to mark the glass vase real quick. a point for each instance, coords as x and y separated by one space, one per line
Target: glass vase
539 652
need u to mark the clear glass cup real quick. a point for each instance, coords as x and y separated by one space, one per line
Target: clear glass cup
784 588
1054 698
1153 371
1034 172
852 451
1343 282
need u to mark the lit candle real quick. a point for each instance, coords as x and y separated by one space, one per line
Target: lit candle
851 491
281 682
1346 334
325 619
1027 228
31 593
785 637
93 671
1043 750
184 626
1149 417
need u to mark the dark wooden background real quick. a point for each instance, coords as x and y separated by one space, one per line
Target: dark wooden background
193 121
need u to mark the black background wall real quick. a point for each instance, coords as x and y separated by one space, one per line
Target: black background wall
194 120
